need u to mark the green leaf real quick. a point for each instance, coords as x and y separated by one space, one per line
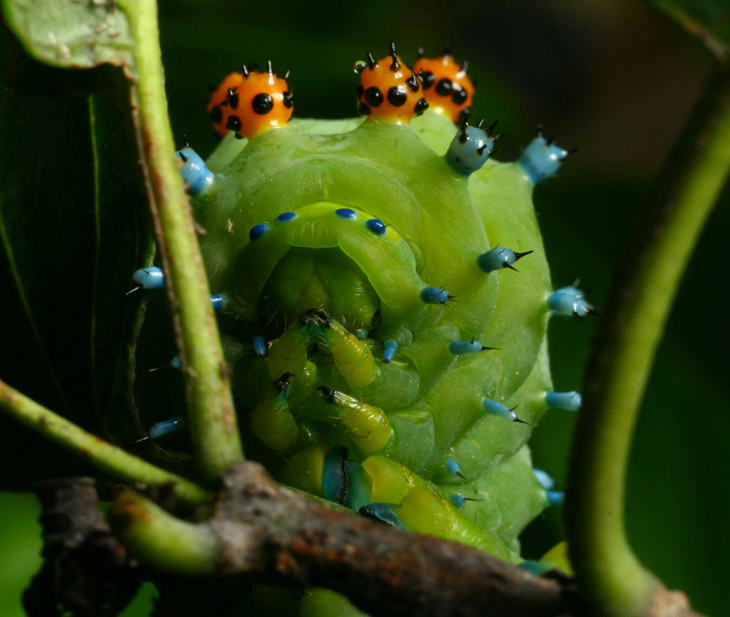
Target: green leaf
73 228
71 34
708 20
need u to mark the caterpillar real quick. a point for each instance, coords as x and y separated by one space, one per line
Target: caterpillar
398 359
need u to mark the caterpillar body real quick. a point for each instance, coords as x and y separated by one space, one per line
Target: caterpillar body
370 262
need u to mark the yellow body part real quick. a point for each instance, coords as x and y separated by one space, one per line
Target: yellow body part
558 555
353 357
368 426
424 511
304 470
392 480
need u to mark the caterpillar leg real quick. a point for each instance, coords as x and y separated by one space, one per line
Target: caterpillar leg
368 426
346 358
272 421
380 377
353 358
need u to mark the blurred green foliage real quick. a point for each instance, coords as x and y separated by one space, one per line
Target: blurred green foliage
20 546
613 78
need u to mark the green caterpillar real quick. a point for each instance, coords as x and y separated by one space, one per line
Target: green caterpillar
398 359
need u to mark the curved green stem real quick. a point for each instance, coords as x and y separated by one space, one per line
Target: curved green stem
161 540
101 454
212 417
611 579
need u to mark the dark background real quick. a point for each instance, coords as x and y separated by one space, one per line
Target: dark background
611 77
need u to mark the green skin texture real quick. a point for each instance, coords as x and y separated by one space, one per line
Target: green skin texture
438 223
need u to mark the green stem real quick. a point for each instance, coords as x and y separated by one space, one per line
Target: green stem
103 455
610 577
212 417
160 539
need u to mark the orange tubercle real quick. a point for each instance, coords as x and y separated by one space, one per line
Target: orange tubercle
218 96
446 85
250 103
389 90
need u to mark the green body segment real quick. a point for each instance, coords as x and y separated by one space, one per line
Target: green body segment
400 420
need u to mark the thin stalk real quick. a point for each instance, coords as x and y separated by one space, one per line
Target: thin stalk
212 417
103 455
612 580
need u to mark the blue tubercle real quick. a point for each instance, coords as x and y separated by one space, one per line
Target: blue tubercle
166 427
176 362
569 301
555 498
383 512
459 348
552 497
499 258
544 478
219 301
376 226
257 231
458 500
259 346
286 216
195 172
435 295
453 468
149 278
361 333
494 408
471 148
569 401
346 213
541 159
389 350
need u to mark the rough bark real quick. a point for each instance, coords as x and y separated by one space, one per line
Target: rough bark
277 536
86 572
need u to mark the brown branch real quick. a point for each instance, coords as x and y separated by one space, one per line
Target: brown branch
273 535
261 531
384 571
